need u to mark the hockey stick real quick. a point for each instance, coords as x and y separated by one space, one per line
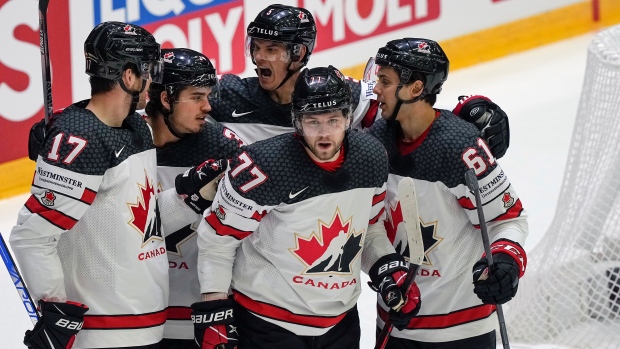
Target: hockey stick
472 184
45 61
411 218
18 282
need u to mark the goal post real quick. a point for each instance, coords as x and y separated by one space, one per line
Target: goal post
570 294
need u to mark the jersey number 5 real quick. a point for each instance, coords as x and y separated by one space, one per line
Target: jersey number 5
258 177
475 161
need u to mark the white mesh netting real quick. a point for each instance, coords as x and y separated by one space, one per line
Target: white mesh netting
570 294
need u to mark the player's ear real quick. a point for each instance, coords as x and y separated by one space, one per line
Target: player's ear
416 88
165 102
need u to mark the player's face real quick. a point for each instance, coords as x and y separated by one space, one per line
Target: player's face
142 100
385 89
191 109
272 59
324 134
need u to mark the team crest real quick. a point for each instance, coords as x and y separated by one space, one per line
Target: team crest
168 57
220 213
508 200
331 250
48 198
130 30
398 236
145 212
424 47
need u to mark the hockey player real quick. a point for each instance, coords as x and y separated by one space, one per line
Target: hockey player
280 42
436 148
286 203
89 239
176 111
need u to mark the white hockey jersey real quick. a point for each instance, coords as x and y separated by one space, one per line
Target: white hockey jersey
91 232
213 142
452 240
303 233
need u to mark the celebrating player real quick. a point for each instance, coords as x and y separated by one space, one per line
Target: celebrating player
280 42
436 148
89 239
176 111
286 203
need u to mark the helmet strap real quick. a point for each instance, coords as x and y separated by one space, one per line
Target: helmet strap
135 95
289 72
401 101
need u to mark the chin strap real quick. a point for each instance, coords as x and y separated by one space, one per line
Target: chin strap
135 95
392 119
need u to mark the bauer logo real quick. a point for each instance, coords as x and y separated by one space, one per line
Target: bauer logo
212 27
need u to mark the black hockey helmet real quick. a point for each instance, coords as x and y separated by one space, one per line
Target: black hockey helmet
320 90
111 46
410 56
290 25
184 67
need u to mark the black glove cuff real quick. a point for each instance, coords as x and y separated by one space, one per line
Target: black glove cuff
386 265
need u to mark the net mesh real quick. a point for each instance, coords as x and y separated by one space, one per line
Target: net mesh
570 294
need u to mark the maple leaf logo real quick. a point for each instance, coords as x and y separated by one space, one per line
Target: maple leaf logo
48 198
332 250
508 200
143 218
398 237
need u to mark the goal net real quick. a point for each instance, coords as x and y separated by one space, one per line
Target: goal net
570 294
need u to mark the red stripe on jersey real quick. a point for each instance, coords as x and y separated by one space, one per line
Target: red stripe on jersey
179 313
88 196
456 318
117 322
378 198
466 203
371 114
281 314
56 218
225 230
376 218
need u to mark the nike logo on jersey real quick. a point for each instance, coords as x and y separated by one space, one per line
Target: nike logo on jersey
236 115
292 196
117 153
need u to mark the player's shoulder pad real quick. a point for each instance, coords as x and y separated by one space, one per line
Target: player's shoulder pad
77 141
370 153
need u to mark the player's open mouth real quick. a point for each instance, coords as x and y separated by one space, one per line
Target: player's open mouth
264 72
324 146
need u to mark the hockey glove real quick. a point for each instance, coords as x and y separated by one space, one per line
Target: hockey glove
489 118
387 276
57 327
499 285
199 183
214 324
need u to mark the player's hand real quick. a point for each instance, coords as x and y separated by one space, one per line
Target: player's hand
214 326
199 183
401 318
499 285
490 119
57 327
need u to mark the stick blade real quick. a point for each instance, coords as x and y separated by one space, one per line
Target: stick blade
411 218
